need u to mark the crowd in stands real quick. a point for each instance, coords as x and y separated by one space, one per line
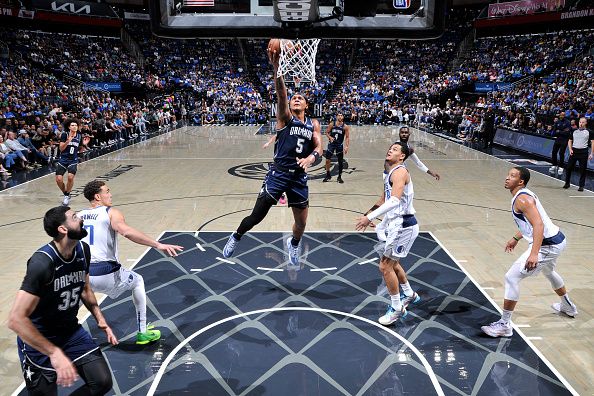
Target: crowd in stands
104 59
496 59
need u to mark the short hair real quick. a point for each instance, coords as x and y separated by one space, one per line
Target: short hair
524 174
404 148
91 188
53 219
300 94
402 127
69 121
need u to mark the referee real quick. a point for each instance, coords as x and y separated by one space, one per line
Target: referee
578 151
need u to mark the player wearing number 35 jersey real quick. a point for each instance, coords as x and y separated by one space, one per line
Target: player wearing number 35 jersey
53 347
103 223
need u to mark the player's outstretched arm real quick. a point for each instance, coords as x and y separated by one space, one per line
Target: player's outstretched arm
415 158
90 301
19 322
283 114
118 223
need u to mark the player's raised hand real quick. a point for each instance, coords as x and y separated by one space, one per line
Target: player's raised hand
169 249
64 368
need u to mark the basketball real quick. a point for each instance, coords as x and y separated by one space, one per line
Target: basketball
274 45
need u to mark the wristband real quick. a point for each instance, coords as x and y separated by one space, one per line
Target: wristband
517 239
316 155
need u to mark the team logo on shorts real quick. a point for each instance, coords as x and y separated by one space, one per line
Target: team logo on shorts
258 170
399 249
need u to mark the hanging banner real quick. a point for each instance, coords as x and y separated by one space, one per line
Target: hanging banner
524 7
75 7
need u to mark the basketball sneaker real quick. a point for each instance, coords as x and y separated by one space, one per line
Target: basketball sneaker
293 253
230 246
327 178
498 329
406 301
340 179
392 316
147 336
567 309
66 200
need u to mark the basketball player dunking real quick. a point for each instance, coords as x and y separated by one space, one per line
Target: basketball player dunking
298 145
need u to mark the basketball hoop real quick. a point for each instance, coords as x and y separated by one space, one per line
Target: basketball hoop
298 60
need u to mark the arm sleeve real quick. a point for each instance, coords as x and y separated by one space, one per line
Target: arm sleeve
39 274
418 162
390 204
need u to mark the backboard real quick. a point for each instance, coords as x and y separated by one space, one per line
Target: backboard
394 19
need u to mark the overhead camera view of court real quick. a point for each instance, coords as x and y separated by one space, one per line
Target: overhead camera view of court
291 197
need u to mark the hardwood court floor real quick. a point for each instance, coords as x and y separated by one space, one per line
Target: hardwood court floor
208 177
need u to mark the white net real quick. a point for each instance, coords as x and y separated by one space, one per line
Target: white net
298 60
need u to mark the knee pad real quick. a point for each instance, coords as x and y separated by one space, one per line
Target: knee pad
554 278
512 285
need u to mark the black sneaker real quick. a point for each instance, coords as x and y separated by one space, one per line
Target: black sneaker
327 178
581 189
340 180
566 185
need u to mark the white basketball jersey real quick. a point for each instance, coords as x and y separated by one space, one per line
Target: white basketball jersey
406 201
102 238
550 229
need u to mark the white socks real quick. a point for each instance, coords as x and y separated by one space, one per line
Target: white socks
406 289
396 304
506 316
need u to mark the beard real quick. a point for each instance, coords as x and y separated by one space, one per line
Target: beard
77 235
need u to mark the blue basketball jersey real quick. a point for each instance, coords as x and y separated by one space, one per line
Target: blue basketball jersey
60 298
337 134
70 153
294 141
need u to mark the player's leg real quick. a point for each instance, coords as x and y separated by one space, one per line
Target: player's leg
39 382
328 154
390 268
298 199
550 254
340 156
406 238
272 189
60 171
95 372
513 277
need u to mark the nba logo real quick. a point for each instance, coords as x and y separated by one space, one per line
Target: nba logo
401 4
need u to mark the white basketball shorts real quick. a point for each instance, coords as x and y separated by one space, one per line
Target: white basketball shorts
115 283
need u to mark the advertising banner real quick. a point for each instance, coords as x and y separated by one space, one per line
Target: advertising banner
524 7
75 7
106 86
533 144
